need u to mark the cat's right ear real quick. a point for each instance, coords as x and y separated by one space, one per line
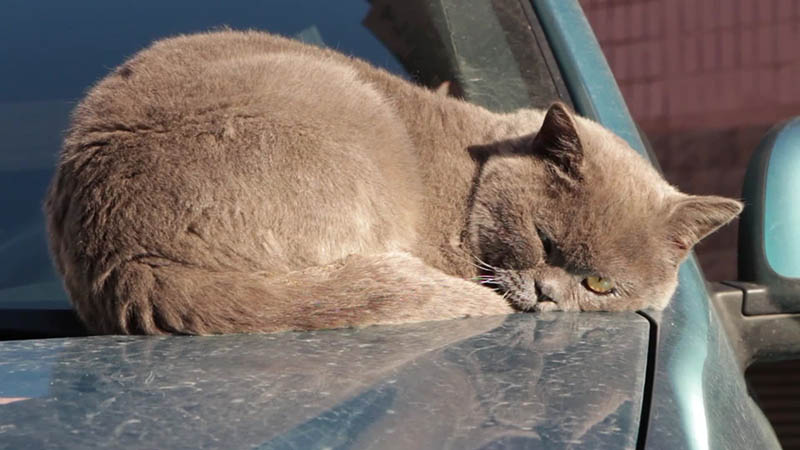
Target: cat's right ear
557 141
693 217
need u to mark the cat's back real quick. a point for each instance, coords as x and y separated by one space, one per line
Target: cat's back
209 78
266 149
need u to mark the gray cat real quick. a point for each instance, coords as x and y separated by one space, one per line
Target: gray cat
239 181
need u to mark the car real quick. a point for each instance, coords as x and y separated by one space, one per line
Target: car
647 379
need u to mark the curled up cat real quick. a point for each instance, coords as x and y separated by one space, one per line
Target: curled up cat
244 182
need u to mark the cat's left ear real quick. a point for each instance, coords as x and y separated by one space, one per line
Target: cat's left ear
693 217
557 140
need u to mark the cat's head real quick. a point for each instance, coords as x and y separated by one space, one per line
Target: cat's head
571 218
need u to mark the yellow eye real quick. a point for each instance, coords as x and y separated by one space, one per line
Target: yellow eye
599 285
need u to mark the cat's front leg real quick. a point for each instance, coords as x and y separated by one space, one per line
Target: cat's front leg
436 294
393 287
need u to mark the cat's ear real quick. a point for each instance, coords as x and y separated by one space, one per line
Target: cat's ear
693 217
558 142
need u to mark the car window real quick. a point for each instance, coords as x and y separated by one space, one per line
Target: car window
54 51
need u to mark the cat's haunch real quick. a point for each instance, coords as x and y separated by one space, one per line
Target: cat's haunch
240 182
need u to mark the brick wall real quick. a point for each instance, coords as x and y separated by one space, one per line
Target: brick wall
704 79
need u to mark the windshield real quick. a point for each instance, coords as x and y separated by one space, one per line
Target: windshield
54 51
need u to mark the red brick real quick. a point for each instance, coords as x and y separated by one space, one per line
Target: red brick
643 93
707 91
639 59
784 10
690 55
648 95
620 63
766 41
787 42
694 94
673 57
672 26
747 11
654 19
625 61
598 18
635 99
728 99
709 14
655 59
668 107
747 48
633 61
788 86
684 105
689 16
709 55
643 12
727 49
748 91
767 88
603 20
727 13
766 11
618 23
627 52
636 21
675 93
705 85
625 89
720 92
656 107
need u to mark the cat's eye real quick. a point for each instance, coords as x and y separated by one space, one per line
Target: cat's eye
599 285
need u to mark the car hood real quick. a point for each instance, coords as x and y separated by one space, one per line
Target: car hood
518 381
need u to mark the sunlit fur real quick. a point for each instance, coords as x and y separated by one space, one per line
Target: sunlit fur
239 181
617 219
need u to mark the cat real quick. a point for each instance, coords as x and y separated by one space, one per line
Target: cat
238 181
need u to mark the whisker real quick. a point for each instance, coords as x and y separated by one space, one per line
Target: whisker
477 265
481 264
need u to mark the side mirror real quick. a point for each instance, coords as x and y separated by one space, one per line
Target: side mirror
761 311
769 231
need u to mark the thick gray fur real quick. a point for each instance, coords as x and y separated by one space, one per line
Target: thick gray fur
244 182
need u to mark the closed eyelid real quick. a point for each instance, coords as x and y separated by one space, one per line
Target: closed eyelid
547 241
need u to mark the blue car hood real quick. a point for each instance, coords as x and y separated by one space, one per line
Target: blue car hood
519 381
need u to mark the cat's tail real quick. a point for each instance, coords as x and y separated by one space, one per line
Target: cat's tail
145 296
